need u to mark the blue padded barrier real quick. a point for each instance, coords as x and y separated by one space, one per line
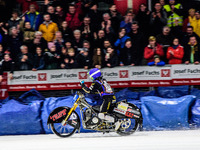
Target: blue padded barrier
173 91
166 114
18 118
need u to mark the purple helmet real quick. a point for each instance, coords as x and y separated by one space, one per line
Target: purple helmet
94 73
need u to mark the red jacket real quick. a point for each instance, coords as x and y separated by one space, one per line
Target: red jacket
149 52
73 21
177 57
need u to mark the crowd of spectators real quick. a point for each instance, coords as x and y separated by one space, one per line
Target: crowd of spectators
75 34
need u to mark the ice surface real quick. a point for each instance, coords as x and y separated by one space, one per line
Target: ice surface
152 140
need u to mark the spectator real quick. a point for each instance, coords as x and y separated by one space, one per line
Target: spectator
51 12
59 42
196 24
1 54
95 17
115 17
111 59
106 23
128 55
14 20
63 55
186 37
190 20
38 63
143 18
69 62
28 33
27 3
98 59
192 51
14 42
7 65
156 62
127 22
83 60
165 39
51 58
77 41
174 13
138 42
48 28
87 45
25 59
72 18
162 3
33 17
68 45
66 31
175 52
152 49
106 44
59 15
38 41
158 19
99 40
122 39
86 29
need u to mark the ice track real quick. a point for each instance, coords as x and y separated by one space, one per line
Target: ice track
152 140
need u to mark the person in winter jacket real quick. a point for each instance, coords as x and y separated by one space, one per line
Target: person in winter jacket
25 59
190 20
152 49
111 59
175 52
83 59
98 59
51 58
72 18
192 51
38 63
48 28
128 55
33 17
68 61
156 62
27 3
7 65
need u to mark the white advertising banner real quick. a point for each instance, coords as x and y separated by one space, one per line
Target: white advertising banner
118 77
185 74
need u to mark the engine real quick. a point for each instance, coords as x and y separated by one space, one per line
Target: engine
90 119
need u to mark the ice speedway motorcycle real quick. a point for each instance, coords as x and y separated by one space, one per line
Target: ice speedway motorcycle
65 121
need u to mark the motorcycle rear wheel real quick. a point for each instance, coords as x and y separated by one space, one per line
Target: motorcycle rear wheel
128 126
70 127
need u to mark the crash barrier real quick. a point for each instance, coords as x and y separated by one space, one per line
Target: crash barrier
118 77
29 113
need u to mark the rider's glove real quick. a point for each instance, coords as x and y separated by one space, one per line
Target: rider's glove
81 82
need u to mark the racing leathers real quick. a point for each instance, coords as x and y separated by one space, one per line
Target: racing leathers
103 88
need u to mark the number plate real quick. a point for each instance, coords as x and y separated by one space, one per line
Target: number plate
123 106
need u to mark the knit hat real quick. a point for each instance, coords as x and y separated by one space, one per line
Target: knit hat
152 38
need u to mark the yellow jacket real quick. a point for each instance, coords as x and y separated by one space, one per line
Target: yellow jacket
48 31
196 26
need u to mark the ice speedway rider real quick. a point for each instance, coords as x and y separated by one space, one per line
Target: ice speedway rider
100 86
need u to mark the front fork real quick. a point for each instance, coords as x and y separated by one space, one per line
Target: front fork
69 113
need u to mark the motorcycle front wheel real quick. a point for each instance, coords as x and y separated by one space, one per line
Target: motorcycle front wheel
69 128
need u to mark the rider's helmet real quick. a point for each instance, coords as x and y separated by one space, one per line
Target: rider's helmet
94 73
